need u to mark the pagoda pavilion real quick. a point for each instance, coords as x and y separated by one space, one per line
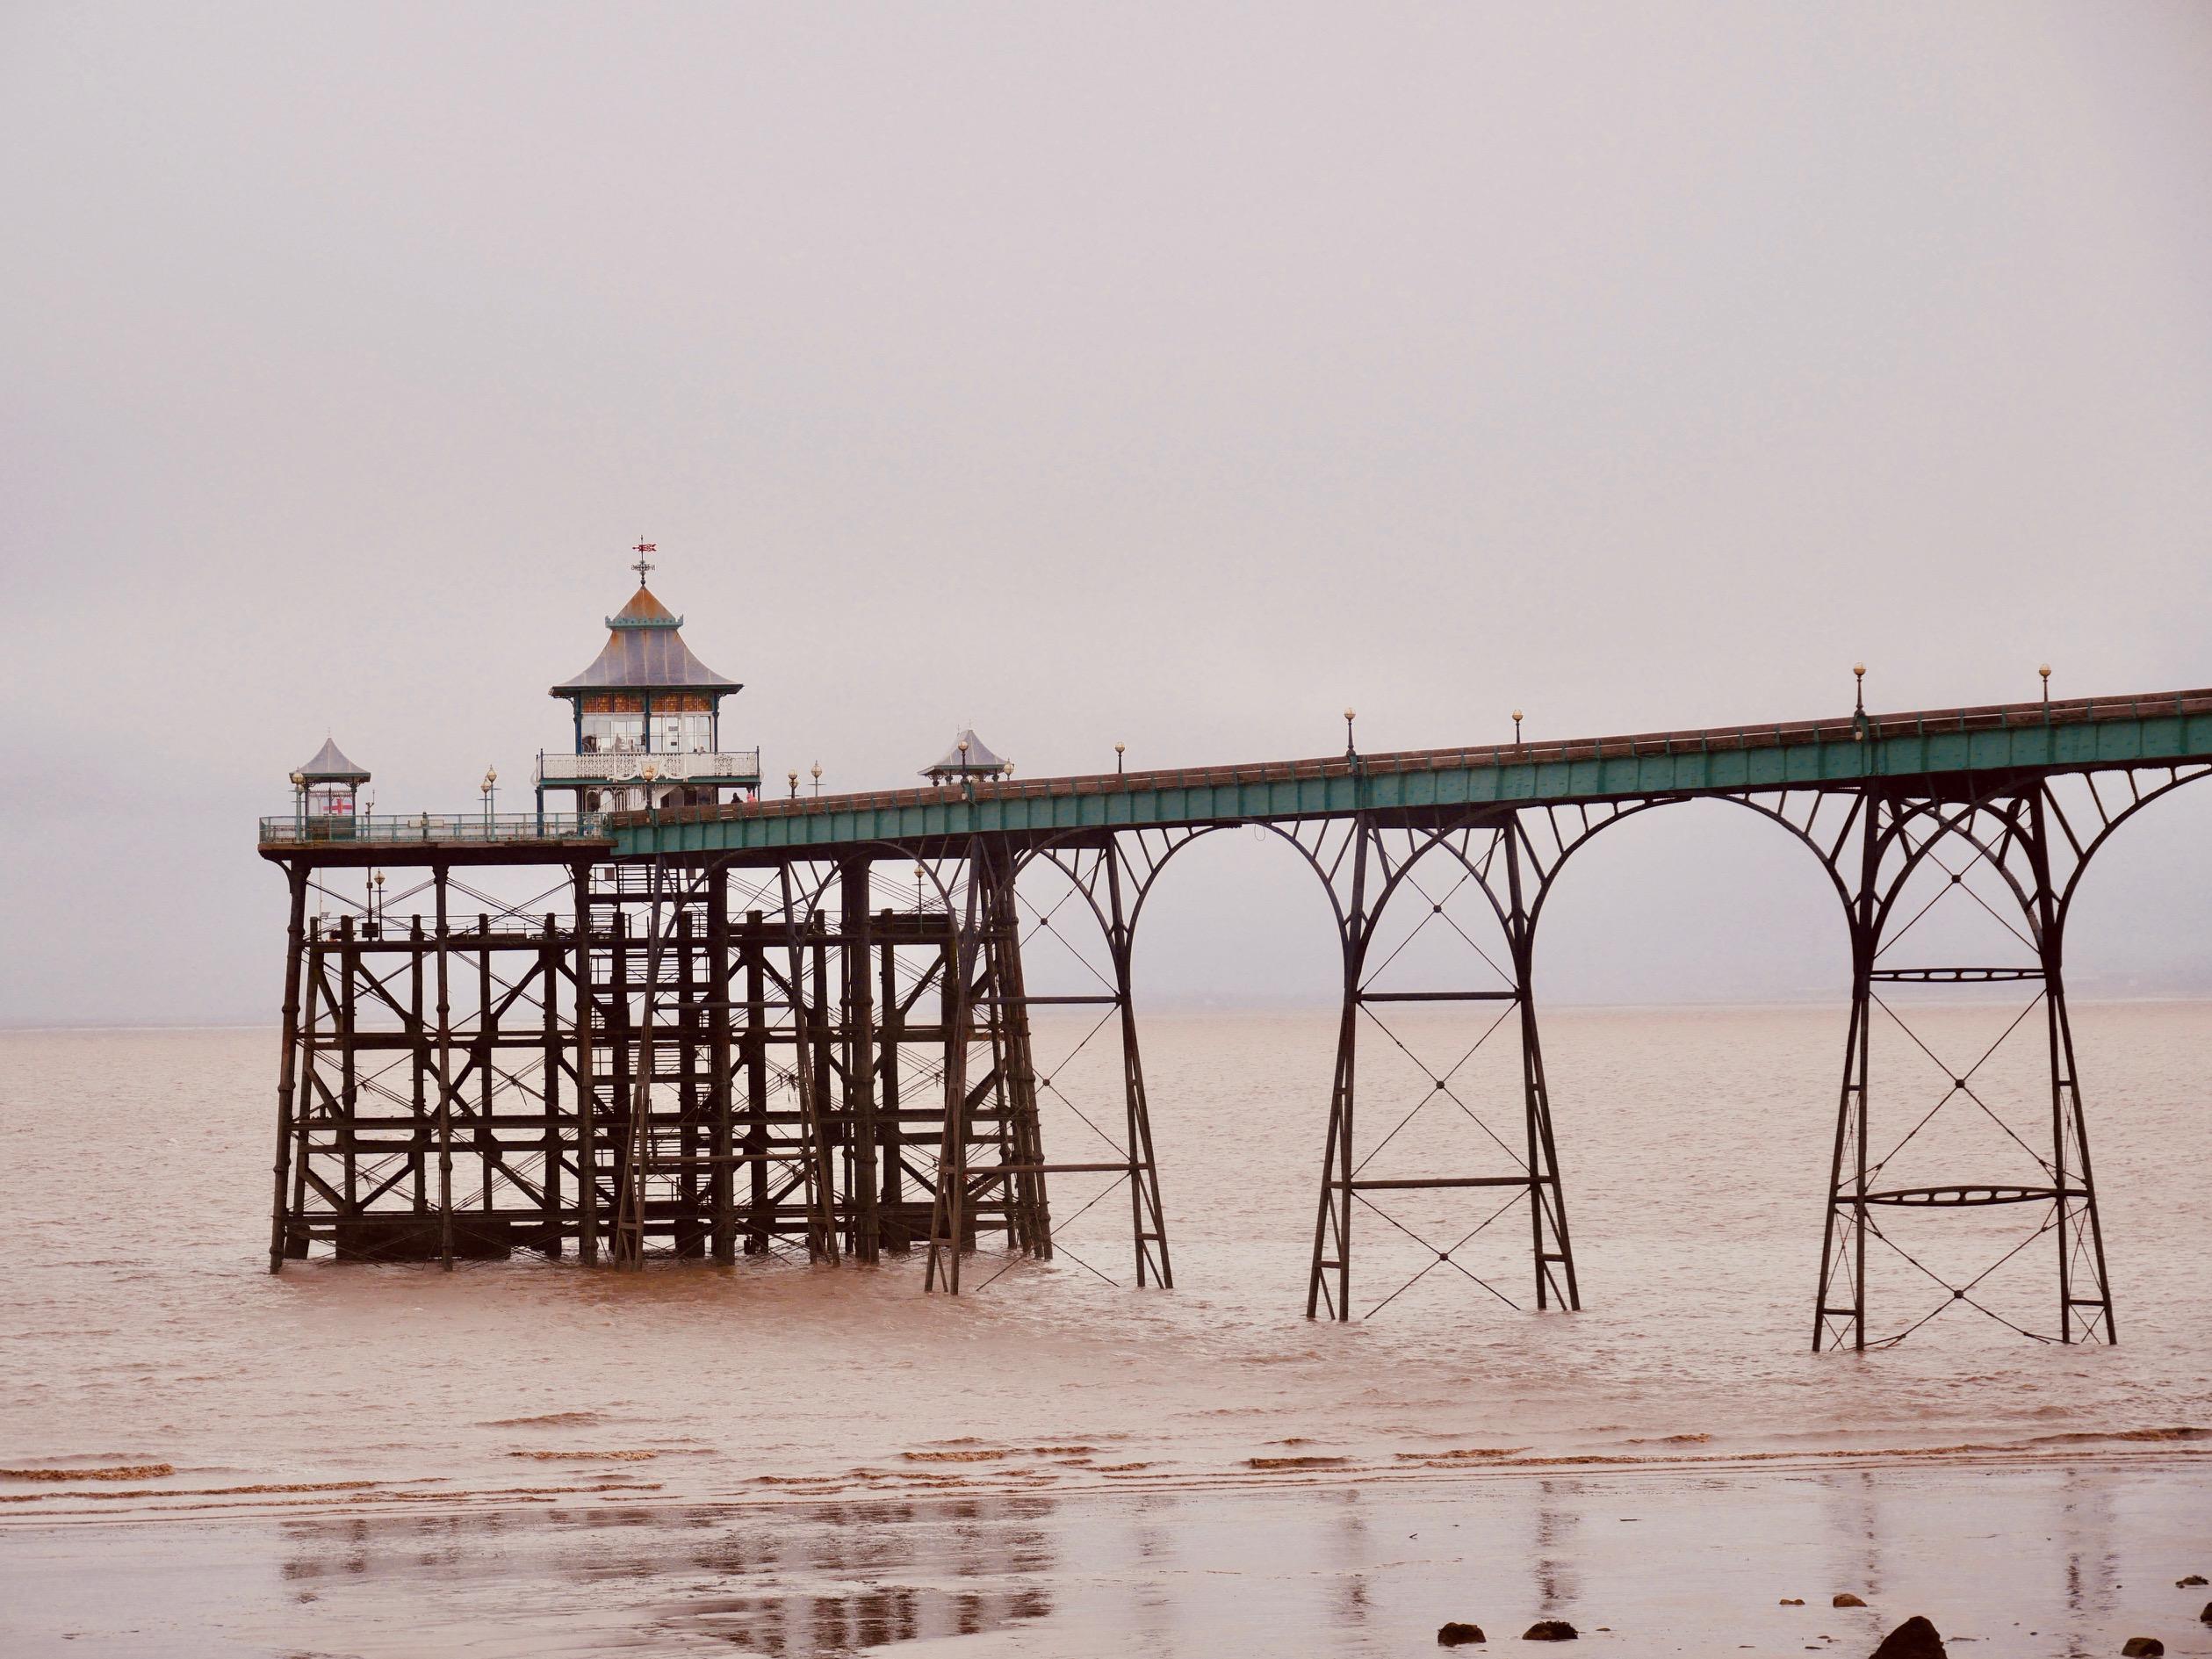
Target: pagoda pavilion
648 719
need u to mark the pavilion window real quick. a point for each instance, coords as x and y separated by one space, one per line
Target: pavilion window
614 733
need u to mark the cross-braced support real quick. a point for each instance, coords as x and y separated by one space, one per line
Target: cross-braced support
1487 868
1105 878
2015 855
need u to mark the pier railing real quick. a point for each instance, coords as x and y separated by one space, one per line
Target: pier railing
1859 733
627 766
295 830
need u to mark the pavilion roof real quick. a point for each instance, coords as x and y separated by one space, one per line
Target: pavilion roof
330 766
646 652
975 760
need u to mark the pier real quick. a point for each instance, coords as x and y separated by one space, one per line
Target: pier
730 1026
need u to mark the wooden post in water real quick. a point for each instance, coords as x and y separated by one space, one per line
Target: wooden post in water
486 1043
860 1056
550 1058
349 1075
419 1065
303 1111
445 1075
287 1074
686 1233
587 1085
891 1188
756 1082
720 977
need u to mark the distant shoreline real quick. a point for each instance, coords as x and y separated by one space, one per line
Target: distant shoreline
1180 1009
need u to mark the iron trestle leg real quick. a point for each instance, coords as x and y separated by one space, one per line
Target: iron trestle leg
1147 1223
1938 842
1328 1285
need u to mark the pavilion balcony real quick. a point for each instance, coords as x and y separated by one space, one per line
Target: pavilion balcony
304 829
739 768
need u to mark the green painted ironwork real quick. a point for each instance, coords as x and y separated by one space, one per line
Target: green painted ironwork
2078 735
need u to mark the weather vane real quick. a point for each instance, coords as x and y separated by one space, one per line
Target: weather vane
643 565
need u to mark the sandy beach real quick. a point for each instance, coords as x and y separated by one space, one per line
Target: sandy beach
2026 1558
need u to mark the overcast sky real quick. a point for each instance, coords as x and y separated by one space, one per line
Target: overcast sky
1176 375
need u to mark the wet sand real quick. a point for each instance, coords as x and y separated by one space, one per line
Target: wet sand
2064 1555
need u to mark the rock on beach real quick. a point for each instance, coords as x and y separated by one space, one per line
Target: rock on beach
1455 1634
1914 1639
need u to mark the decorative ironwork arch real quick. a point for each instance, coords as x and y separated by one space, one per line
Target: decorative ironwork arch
2176 777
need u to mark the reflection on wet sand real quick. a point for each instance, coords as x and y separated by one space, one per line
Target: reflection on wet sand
827 1579
1554 1537
2068 1545
2067 1558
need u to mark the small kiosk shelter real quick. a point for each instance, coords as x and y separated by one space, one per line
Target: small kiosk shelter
969 757
323 793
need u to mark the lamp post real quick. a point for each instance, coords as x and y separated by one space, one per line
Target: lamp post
1351 754
1516 728
1119 749
2044 670
490 786
300 804
817 780
794 778
919 873
376 904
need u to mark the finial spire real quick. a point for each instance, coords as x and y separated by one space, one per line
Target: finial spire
643 565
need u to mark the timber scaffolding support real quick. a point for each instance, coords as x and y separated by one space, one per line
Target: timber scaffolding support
682 1061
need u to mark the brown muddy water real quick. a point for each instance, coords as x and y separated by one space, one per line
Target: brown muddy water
196 1457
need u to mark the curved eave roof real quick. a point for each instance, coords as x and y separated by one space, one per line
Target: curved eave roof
647 660
646 652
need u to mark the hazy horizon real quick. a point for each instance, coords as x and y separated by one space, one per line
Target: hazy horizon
1171 376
